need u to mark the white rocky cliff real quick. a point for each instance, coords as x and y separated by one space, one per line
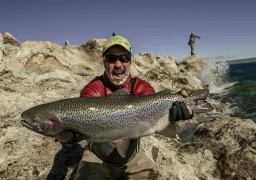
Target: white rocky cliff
213 146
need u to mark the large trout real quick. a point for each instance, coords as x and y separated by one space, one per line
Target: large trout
115 118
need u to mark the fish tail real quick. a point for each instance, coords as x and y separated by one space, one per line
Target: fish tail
197 101
199 94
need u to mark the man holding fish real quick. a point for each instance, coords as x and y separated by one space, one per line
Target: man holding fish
114 110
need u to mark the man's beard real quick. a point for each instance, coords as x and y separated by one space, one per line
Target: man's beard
120 82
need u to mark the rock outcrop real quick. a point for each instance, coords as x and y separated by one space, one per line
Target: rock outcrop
213 145
1 53
67 43
193 63
9 39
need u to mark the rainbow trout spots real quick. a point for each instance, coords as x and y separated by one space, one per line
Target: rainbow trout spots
115 118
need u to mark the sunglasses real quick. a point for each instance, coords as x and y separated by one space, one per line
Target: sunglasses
122 58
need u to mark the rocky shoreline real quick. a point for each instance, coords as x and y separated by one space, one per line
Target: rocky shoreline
213 146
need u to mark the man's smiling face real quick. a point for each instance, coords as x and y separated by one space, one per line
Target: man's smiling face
117 61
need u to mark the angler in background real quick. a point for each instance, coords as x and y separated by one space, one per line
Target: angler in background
191 42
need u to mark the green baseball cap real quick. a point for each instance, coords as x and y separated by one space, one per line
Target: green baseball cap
117 40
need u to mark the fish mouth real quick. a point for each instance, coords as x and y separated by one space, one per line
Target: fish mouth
33 128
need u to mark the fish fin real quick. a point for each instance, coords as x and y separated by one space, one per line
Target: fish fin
166 91
122 146
120 92
170 130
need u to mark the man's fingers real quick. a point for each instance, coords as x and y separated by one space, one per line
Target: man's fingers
179 112
173 114
185 111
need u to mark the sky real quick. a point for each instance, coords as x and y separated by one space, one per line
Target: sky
227 28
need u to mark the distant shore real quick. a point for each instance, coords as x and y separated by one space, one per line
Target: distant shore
241 61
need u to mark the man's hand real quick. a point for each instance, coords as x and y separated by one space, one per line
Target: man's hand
68 137
179 110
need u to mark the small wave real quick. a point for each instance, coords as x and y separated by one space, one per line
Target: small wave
215 74
231 109
232 87
223 89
